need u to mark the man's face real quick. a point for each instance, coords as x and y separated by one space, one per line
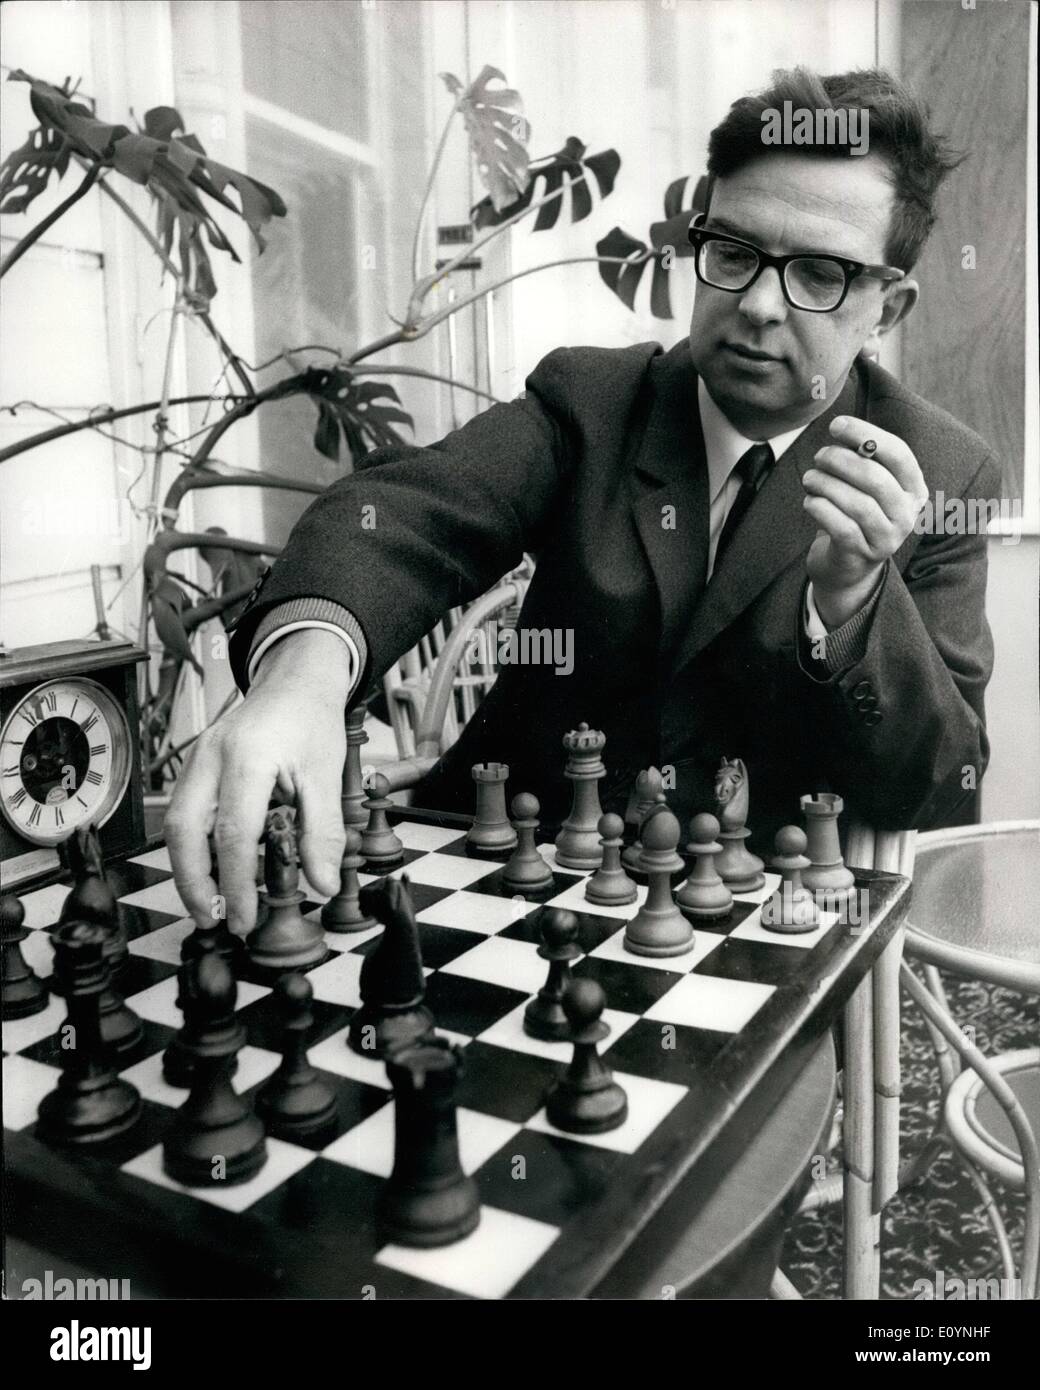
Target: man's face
760 358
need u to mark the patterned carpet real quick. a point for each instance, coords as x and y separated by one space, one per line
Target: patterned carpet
939 1222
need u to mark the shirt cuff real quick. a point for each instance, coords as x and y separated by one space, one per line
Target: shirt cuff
302 613
838 650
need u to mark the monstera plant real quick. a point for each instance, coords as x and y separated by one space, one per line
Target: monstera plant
188 189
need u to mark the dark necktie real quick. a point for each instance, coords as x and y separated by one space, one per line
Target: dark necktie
751 468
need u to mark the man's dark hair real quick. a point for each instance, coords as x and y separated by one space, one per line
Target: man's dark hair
917 158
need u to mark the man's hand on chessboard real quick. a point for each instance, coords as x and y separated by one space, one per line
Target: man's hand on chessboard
289 733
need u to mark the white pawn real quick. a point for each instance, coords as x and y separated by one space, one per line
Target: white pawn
790 910
659 928
704 895
610 886
526 871
379 844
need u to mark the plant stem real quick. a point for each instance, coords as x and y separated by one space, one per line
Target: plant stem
429 189
106 417
233 360
33 236
424 325
429 376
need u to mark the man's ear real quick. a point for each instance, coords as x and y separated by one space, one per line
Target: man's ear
898 304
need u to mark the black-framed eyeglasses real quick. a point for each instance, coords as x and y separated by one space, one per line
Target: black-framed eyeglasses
816 283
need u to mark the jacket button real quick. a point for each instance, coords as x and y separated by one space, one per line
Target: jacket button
872 717
861 691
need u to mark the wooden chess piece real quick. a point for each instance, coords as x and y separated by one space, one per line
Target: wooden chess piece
284 939
740 870
578 844
826 877
659 928
343 912
586 1099
790 910
704 896
379 845
296 1100
544 1016
90 1104
526 871
352 798
392 984
648 794
491 832
216 1137
428 1199
91 898
24 993
610 886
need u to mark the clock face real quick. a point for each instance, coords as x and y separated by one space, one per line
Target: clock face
65 759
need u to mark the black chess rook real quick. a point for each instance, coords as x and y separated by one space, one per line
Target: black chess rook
428 1200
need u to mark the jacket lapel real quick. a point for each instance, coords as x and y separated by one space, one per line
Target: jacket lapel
668 469
775 531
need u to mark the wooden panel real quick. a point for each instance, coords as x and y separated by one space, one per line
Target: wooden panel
964 346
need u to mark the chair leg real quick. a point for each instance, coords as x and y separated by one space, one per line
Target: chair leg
862 1230
887 1075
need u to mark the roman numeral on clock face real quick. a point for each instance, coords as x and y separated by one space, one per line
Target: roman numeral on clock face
96 749
94 778
19 797
34 818
89 723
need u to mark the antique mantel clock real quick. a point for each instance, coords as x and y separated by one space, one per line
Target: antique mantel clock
69 751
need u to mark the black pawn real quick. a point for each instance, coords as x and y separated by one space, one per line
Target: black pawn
215 1137
392 983
90 1104
790 910
24 993
428 1200
343 912
205 1033
296 1100
379 845
610 886
586 1099
526 871
704 897
544 1016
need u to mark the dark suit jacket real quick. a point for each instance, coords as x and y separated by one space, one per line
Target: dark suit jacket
676 673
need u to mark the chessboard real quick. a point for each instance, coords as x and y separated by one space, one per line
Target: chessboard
703 1044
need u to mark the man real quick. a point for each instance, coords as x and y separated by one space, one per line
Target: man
725 599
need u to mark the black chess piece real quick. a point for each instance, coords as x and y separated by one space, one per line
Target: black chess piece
90 1104
790 910
343 912
544 1015
24 993
379 845
90 898
610 886
296 1100
526 871
205 1032
392 984
284 939
215 1136
586 1099
428 1200
704 896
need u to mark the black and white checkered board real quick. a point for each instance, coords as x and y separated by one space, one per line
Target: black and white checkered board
669 1019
